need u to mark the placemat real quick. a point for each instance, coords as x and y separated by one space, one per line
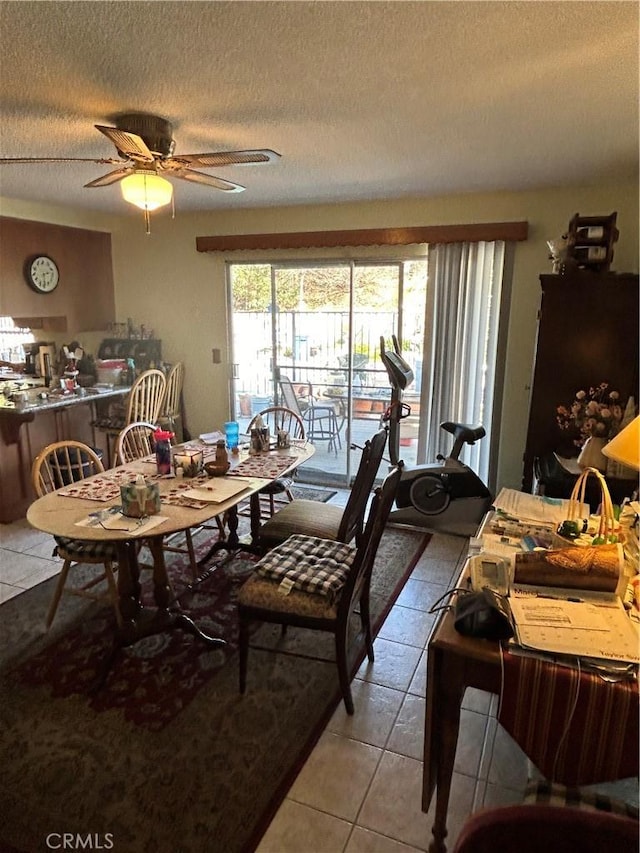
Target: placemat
268 467
103 488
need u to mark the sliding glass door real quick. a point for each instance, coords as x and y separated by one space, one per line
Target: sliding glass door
319 326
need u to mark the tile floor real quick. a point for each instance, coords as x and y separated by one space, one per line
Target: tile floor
360 790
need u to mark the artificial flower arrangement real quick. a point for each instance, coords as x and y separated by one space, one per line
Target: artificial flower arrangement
596 412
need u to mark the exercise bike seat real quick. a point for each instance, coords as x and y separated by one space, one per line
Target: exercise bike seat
467 432
462 434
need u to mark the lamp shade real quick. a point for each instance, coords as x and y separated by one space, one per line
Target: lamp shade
625 446
146 190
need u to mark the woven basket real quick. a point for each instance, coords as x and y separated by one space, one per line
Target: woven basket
607 527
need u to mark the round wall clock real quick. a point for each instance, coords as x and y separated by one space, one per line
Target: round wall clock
42 273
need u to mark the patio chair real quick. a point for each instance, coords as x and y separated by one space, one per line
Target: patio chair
313 518
57 465
279 418
330 581
320 419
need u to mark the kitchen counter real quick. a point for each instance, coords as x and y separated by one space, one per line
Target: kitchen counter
26 428
57 399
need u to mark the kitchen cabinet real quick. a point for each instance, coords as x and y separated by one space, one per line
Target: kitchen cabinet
587 334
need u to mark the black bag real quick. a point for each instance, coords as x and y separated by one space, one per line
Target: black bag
483 614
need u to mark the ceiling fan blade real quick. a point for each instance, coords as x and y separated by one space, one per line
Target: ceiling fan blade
230 158
207 180
128 144
104 161
110 178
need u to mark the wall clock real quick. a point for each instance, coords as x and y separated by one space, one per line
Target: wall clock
42 273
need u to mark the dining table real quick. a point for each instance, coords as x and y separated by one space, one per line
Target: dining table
89 510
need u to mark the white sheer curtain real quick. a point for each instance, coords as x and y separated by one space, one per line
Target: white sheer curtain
460 349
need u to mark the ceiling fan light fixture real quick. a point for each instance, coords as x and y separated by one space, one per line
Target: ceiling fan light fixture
146 190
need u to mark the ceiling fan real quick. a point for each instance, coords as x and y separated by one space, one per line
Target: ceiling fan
146 146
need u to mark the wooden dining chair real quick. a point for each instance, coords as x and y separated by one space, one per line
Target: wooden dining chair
143 403
136 441
314 518
57 465
326 582
170 417
279 418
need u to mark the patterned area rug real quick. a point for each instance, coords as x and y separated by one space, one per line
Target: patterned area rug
168 757
313 493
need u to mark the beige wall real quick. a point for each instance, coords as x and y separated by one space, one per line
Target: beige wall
162 281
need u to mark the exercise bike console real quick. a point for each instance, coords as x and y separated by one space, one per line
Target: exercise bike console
446 496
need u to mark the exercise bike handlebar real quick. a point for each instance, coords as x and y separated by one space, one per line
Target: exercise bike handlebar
399 372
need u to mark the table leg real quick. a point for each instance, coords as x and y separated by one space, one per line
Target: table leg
232 523
166 616
255 512
445 689
138 621
128 581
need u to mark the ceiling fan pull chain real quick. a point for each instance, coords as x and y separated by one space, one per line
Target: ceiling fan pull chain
147 222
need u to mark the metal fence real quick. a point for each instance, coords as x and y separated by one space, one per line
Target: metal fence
310 346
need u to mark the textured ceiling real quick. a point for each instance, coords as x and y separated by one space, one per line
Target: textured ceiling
363 100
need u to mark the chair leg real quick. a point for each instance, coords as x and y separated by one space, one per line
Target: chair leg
243 649
113 591
58 592
365 621
343 668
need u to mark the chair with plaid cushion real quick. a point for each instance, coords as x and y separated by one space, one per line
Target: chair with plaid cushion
314 518
58 465
309 582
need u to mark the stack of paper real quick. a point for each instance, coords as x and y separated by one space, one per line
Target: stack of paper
537 508
571 626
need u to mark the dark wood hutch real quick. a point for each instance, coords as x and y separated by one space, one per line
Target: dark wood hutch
587 334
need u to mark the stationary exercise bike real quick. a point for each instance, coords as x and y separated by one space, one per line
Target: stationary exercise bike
448 496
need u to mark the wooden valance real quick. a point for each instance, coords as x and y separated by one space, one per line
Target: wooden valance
472 233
